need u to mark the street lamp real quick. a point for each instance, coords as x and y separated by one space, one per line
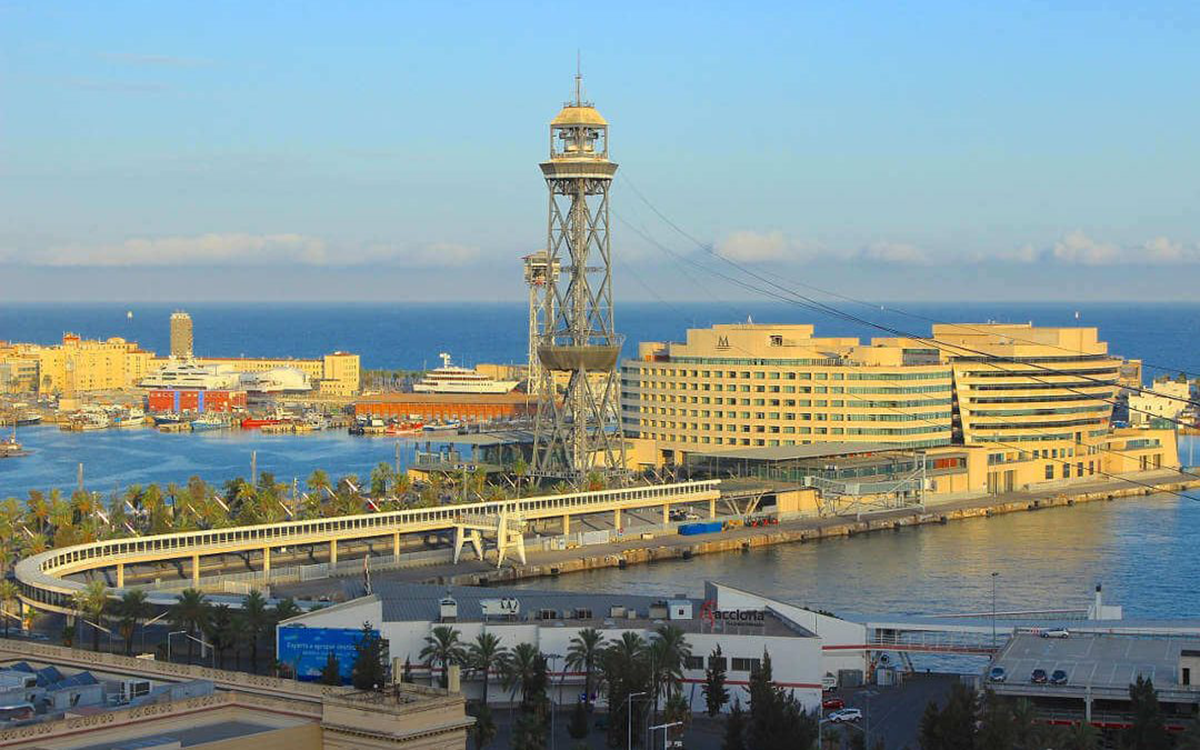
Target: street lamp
995 575
666 734
629 719
201 641
553 703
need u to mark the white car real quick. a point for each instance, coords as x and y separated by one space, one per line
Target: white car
1056 633
845 714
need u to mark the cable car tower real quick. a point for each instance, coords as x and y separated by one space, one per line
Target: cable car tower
581 432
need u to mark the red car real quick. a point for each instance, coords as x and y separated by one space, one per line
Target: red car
833 704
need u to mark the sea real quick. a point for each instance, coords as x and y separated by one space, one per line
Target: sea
1142 550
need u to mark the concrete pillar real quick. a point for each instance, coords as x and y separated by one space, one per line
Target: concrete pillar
396 544
266 562
196 570
333 552
120 575
666 513
617 519
712 508
566 524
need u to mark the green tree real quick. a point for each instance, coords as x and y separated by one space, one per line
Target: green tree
997 729
369 667
220 631
443 648
189 613
485 655
331 672
529 731
1148 730
257 621
735 728
484 730
582 653
8 594
93 604
625 671
715 693
953 727
1084 736
578 726
521 670
381 479
776 719
671 652
131 609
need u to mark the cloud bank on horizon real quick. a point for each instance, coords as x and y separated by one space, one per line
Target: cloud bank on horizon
1073 248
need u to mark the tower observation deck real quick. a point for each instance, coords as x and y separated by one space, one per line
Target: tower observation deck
580 432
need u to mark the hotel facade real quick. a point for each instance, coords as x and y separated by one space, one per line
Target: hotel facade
1036 401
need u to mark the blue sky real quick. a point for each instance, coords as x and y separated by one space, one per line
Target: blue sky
188 151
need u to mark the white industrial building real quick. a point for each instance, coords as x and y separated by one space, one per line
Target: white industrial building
807 648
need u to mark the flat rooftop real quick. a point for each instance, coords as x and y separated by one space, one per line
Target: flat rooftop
1095 660
513 397
408 602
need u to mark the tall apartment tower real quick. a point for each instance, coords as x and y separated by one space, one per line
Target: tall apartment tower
181 335
581 432
540 276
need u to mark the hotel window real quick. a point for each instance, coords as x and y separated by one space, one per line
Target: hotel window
789 376
744 665
788 415
1066 471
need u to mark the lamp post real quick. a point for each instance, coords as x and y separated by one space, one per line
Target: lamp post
173 632
995 575
666 733
553 703
629 719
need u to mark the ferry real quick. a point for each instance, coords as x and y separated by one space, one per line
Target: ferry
451 379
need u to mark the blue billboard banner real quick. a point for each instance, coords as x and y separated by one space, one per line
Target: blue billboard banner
307 649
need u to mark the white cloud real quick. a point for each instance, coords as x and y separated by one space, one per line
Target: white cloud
1077 248
241 249
894 252
755 247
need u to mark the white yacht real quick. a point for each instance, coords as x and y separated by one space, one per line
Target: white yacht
190 374
451 379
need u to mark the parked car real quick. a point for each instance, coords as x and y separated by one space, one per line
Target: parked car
846 714
833 704
1058 677
1056 633
1038 677
998 674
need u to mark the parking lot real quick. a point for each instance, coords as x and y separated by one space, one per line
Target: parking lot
1098 661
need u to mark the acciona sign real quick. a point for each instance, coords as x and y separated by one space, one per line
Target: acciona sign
740 617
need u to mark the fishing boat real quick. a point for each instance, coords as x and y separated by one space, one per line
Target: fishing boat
167 418
452 424
10 448
253 423
131 417
208 422
405 428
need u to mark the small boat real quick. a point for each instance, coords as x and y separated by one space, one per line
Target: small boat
453 424
315 421
208 422
28 419
168 418
405 428
10 448
253 423
132 417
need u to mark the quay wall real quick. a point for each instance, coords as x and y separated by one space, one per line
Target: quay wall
810 529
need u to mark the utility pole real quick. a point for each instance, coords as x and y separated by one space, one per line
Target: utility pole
79 476
995 575
253 468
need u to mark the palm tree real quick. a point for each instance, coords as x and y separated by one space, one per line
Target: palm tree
257 620
521 669
190 613
8 595
674 653
486 655
442 647
93 603
131 609
220 631
582 654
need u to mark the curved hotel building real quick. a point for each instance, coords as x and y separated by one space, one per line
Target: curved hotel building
1037 401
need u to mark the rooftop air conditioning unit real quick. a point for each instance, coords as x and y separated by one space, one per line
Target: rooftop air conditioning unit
448 609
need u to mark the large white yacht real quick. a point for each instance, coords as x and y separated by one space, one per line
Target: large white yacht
451 379
188 373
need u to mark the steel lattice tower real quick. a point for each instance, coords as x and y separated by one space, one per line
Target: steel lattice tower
540 276
580 432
